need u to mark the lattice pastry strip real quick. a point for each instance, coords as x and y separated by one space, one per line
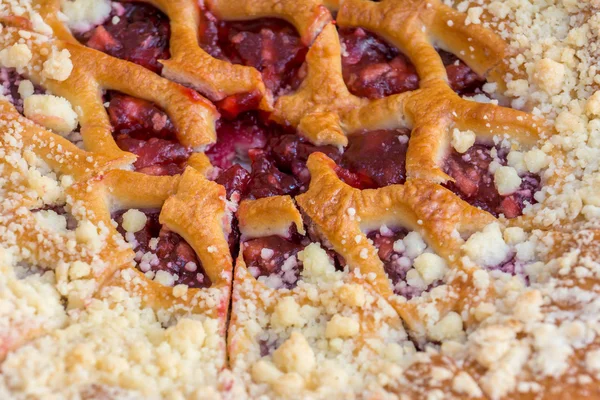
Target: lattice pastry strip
340 214
411 25
309 17
94 72
458 37
310 109
269 216
23 136
25 147
218 79
184 200
430 111
191 65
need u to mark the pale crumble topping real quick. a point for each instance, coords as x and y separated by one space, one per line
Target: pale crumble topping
141 356
487 247
305 339
462 140
16 56
29 302
52 112
431 267
134 220
26 88
82 15
58 65
506 180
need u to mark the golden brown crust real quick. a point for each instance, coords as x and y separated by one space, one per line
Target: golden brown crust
269 216
430 111
456 37
94 72
322 83
308 17
184 201
198 199
192 66
62 155
420 206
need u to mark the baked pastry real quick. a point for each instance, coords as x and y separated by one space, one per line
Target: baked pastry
281 199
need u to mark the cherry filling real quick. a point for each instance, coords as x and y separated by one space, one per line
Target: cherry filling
258 159
375 159
398 259
160 249
145 130
474 183
10 80
273 259
373 69
134 32
272 46
291 153
235 138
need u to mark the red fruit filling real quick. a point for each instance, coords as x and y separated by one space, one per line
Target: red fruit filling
9 87
395 263
145 130
475 184
158 248
267 180
272 46
140 35
375 159
259 159
291 153
234 105
274 257
275 158
236 137
235 179
462 79
374 69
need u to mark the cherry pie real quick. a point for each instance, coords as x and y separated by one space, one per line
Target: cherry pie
299 199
